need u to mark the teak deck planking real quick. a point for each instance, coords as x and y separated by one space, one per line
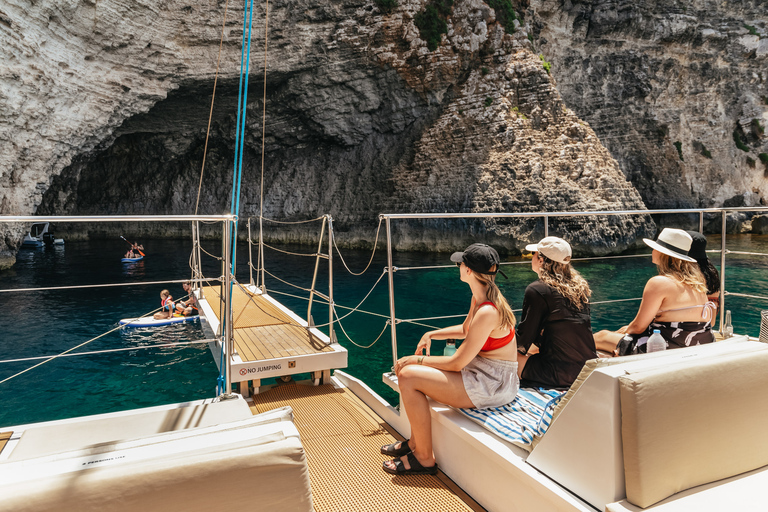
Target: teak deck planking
263 331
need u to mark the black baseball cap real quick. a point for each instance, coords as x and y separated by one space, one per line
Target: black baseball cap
480 258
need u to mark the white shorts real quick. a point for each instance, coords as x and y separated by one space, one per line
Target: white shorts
490 382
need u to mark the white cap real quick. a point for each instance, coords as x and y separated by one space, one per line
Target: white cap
553 248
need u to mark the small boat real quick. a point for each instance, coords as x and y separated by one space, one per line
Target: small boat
132 260
40 234
149 321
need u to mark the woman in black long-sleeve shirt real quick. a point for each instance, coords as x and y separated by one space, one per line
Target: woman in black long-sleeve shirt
555 319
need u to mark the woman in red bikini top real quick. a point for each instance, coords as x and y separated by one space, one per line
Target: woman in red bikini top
481 374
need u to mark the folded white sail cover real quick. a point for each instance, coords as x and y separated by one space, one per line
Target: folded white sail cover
258 462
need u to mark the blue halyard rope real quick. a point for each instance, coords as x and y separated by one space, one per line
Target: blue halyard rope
242 103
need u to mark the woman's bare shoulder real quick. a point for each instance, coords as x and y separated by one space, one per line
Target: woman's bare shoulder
663 282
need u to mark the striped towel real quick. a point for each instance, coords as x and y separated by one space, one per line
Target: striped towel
525 417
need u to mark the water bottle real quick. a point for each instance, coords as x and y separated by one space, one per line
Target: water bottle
450 347
656 342
728 328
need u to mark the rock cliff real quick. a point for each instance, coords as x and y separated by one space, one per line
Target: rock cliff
669 87
104 108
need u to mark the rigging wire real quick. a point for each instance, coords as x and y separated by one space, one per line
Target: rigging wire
75 287
303 254
70 350
210 114
109 351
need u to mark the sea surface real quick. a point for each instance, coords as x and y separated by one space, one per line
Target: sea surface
46 323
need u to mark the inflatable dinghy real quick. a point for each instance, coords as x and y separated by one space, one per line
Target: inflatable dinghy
149 321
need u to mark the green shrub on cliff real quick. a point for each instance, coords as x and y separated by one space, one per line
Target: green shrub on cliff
432 24
386 6
505 14
752 30
751 162
679 146
739 142
763 158
757 126
547 65
705 152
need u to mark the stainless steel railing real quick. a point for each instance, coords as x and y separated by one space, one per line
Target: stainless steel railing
701 212
227 221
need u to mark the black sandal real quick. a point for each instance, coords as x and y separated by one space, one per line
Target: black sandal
389 449
416 467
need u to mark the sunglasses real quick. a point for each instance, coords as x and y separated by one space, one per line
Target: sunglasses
459 263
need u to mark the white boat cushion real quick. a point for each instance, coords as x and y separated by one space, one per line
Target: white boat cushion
692 424
528 416
257 463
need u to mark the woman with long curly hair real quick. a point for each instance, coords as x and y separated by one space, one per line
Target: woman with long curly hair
481 374
674 302
555 331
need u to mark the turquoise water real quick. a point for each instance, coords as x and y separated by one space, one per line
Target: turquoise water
49 322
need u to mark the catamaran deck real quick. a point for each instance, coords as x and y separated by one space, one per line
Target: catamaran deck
342 437
269 339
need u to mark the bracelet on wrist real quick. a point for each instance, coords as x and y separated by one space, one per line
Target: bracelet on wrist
420 359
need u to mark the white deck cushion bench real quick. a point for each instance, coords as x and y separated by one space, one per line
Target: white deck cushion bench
195 469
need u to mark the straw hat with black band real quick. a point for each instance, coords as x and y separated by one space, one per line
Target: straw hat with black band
479 258
672 242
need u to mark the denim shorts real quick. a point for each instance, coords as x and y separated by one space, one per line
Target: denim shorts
490 382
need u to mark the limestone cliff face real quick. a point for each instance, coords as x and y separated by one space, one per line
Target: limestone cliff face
652 74
104 107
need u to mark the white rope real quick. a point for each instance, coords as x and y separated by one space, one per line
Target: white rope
287 221
364 298
314 254
109 351
286 282
375 245
350 339
325 303
209 254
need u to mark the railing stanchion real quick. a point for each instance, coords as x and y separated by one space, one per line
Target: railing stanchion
250 254
701 222
261 262
314 274
391 274
227 316
546 226
331 334
723 218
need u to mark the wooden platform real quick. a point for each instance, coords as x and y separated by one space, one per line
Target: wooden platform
270 340
342 438
262 331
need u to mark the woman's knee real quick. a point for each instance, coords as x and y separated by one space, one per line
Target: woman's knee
601 335
407 377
